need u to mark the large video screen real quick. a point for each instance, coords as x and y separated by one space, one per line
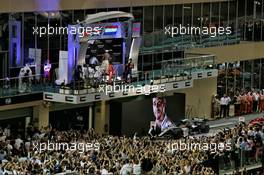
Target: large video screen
139 113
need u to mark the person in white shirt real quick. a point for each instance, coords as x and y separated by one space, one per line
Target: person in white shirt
136 167
2 137
9 146
162 121
224 101
255 101
104 171
1 171
126 168
7 131
18 142
228 105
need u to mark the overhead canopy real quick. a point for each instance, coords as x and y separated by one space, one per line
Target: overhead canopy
93 18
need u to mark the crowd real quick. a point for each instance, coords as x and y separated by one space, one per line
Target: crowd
248 102
245 102
125 155
247 145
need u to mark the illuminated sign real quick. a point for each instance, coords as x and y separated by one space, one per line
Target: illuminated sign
110 30
136 29
103 31
47 67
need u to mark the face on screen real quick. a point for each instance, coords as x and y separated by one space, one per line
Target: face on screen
159 105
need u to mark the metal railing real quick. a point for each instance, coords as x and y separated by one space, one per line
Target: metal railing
172 70
196 62
240 160
158 40
140 78
4 62
23 85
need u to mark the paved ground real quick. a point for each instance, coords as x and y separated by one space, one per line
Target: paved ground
218 124
231 121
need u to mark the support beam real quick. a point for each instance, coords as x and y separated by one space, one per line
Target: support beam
90 119
101 124
41 116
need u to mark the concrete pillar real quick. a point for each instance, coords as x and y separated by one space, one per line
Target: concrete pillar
27 121
198 99
90 117
101 117
41 116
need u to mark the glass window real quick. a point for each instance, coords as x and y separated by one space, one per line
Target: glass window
29 37
233 16
249 20
101 10
4 31
112 9
157 61
138 13
168 21
42 41
4 61
261 73
231 78
187 11
178 14
158 25
262 16
16 17
90 11
256 74
206 15
125 9
158 16
247 74
196 21
242 19
168 15
224 14
78 15
114 19
257 24
250 8
65 21
148 19
148 27
206 22
54 41
196 15
215 16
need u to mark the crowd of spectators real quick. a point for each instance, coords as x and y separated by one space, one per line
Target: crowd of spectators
247 141
125 155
